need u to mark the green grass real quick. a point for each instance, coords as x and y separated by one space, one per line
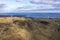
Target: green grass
58 36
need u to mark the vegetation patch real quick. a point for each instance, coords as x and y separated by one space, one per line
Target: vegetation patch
44 22
58 36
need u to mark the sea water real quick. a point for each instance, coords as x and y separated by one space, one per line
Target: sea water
36 15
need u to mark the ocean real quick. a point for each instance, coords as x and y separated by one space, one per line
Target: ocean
34 15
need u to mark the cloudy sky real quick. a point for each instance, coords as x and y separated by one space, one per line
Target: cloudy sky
7 6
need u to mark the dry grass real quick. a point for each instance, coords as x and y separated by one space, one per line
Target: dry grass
21 28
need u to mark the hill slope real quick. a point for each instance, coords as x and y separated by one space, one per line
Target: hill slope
21 28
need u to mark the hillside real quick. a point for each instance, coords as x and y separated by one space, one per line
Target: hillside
22 28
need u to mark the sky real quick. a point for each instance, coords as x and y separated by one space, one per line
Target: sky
18 6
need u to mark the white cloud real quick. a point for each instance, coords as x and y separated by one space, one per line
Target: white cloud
2 1
6 8
19 0
9 7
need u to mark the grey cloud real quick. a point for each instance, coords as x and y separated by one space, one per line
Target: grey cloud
32 8
56 5
50 2
2 6
35 2
26 8
56 0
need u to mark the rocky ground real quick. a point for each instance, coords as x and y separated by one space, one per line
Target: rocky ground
22 28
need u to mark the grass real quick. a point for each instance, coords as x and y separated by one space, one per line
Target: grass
58 36
28 28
